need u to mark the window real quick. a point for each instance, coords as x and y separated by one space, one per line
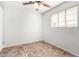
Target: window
71 17
54 20
62 19
66 18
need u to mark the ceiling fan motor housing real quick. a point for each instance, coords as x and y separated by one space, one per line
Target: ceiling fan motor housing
38 1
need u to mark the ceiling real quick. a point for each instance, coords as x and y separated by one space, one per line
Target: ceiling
31 7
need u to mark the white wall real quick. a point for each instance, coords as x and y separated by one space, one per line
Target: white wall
1 27
64 38
21 25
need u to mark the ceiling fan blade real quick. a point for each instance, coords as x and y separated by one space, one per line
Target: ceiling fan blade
30 2
46 5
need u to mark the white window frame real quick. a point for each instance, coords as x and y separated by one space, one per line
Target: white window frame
65 18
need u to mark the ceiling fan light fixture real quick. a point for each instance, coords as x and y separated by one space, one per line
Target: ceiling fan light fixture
36 5
36 9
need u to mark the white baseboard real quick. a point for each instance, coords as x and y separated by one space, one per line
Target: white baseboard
62 48
18 43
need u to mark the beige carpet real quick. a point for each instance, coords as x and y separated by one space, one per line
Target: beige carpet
37 49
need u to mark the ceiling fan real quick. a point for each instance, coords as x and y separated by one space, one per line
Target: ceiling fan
37 3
